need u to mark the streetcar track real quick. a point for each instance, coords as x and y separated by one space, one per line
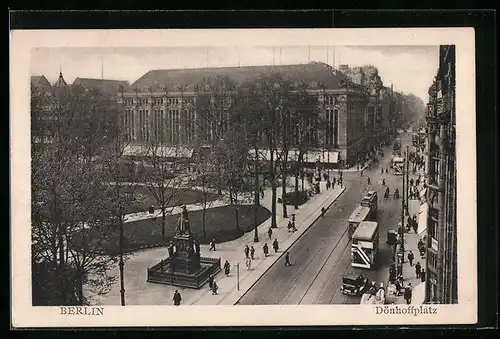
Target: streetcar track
334 234
322 266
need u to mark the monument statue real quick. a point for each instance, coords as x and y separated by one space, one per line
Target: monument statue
171 250
183 223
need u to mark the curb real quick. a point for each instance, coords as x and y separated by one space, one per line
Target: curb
287 248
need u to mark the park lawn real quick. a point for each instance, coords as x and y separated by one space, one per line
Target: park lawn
182 196
220 225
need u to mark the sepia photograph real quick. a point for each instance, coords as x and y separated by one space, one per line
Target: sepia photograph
317 169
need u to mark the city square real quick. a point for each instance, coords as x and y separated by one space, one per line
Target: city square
237 185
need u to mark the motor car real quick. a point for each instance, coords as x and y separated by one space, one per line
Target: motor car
353 284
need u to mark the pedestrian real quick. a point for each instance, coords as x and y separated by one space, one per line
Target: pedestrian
252 252
227 268
421 249
212 245
261 193
408 293
248 264
382 170
418 270
411 182
369 181
247 251
293 220
265 249
328 184
287 259
358 167
386 170
275 245
418 182
214 288
177 298
383 182
422 275
361 173
408 224
323 211
411 257
210 281
334 181
415 226
270 232
420 243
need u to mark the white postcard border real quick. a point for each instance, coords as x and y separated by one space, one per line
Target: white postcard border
25 315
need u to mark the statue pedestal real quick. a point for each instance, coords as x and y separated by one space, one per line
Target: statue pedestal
185 259
185 268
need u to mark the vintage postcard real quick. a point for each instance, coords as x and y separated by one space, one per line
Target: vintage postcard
243 177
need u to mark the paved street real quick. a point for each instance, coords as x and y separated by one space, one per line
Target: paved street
322 255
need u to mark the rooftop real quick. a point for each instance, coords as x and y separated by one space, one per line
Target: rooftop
314 74
103 85
365 230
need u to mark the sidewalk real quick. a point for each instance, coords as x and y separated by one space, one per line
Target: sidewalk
411 244
140 292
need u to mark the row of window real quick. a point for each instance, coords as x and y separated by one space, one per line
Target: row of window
158 101
331 100
168 125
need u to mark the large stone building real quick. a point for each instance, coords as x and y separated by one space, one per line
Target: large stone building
368 77
441 279
162 104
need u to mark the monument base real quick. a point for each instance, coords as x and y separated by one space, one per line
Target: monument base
162 273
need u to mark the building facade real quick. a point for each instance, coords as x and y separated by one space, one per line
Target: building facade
441 279
367 76
165 105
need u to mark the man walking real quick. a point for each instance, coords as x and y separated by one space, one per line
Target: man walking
227 267
247 251
212 245
265 249
287 259
422 275
177 298
248 264
411 257
418 270
275 245
252 252
270 232
408 293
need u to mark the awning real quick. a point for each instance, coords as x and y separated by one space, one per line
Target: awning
422 219
160 151
330 157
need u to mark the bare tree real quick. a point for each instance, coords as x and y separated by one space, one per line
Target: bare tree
271 101
231 155
68 124
214 103
304 117
248 110
204 183
162 177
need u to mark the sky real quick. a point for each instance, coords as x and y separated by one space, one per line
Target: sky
409 68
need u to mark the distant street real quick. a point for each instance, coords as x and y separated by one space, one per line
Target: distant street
322 255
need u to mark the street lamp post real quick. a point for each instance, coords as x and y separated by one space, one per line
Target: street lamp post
256 196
